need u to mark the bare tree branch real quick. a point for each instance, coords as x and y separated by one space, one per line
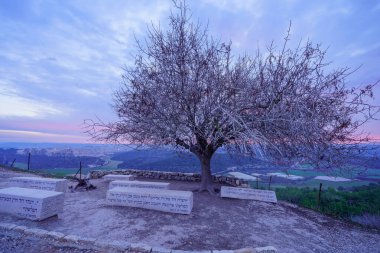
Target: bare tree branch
187 90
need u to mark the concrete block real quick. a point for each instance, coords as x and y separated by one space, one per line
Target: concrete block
248 193
31 203
139 184
41 183
155 199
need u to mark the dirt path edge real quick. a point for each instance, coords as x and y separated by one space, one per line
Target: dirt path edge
114 246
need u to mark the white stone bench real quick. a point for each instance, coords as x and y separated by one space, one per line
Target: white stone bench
32 204
248 193
41 183
155 199
139 184
112 177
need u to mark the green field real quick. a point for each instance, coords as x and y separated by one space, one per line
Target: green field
313 183
61 172
111 165
355 205
277 182
20 165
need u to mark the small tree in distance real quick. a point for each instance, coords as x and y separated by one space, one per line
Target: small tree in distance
187 90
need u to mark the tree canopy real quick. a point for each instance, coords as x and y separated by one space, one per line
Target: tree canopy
187 90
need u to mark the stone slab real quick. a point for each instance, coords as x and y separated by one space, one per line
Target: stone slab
41 183
245 250
160 250
55 235
72 238
20 228
140 248
101 244
87 240
155 199
119 245
139 184
36 231
248 193
267 249
112 177
32 204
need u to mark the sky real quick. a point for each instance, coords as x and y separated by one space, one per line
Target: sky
61 61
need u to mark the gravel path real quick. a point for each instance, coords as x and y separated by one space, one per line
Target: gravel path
214 223
14 242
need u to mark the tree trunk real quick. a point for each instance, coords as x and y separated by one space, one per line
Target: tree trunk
206 177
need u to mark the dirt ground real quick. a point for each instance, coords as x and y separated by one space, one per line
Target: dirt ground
214 223
16 242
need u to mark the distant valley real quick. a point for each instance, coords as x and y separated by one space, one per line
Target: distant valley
63 159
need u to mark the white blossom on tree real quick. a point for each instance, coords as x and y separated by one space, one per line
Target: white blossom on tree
187 90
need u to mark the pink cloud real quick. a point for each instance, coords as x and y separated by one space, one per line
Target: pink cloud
35 136
44 126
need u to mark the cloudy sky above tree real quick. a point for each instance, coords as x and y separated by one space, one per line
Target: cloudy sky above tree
61 61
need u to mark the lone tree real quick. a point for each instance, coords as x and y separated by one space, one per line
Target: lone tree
186 90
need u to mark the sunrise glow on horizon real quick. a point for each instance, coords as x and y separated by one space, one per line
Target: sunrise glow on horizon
61 61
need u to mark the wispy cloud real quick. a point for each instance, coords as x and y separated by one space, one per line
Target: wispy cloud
74 47
13 104
252 6
85 92
60 61
376 7
355 50
34 136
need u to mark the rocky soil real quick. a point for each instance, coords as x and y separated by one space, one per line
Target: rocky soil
15 242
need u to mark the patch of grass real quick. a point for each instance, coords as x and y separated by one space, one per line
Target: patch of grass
305 173
361 201
61 172
41 173
111 165
313 183
372 172
20 165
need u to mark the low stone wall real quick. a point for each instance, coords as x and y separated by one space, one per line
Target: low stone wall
162 175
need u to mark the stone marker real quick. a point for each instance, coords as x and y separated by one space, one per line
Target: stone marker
32 204
248 193
155 199
112 177
139 184
40 183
